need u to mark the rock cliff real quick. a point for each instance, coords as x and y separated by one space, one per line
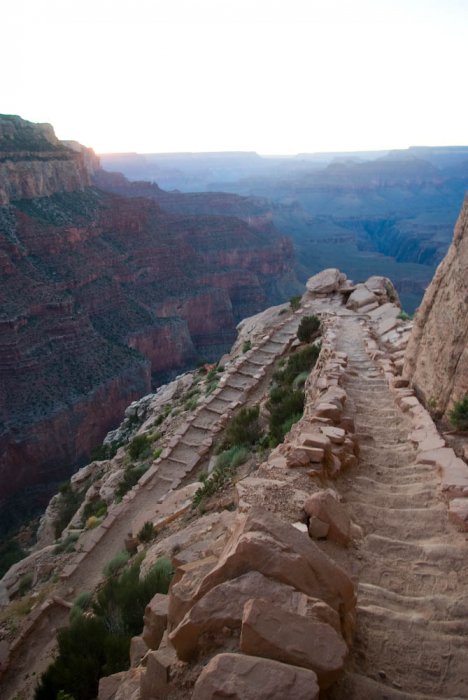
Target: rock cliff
99 293
436 359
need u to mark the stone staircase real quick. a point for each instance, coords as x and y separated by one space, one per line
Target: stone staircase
412 617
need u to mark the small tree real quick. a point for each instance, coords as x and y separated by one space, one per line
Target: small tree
295 302
308 326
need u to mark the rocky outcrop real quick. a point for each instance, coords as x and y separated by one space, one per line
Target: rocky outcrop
34 163
436 358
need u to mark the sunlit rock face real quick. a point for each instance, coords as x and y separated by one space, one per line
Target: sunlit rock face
436 359
102 292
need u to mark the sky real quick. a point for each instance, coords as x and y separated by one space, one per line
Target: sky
272 76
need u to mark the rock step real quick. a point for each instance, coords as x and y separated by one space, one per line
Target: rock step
433 607
230 394
373 486
194 436
408 474
219 404
359 687
182 453
403 577
206 420
417 522
414 623
238 381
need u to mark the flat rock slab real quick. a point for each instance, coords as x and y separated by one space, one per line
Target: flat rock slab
240 677
361 297
275 633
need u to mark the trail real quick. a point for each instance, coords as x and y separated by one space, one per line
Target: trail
412 565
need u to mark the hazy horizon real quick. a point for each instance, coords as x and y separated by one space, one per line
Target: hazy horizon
160 76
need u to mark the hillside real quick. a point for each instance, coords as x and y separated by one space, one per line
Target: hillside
102 297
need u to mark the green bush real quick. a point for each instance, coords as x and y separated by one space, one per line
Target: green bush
66 545
147 533
403 316
139 446
247 346
226 463
295 302
459 414
244 428
308 327
97 508
116 564
131 476
25 583
232 458
157 452
104 451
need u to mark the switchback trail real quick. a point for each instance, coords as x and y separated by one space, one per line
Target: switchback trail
412 565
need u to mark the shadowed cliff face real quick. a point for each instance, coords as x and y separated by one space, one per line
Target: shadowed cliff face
100 292
437 355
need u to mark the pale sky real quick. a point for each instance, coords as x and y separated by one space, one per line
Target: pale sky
274 76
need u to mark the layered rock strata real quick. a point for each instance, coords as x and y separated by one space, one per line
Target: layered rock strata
436 359
101 294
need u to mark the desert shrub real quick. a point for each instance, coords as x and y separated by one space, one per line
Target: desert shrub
459 414
308 327
211 386
191 403
220 368
285 406
295 302
157 452
403 316
139 446
25 583
68 503
147 532
130 477
226 463
116 564
10 553
92 522
104 451
301 361
244 428
247 346
66 545
96 507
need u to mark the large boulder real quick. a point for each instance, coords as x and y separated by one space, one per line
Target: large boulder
262 542
223 607
155 620
325 507
361 296
240 677
326 282
276 633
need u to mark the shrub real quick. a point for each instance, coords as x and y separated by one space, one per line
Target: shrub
68 503
295 302
247 346
308 327
211 386
232 458
157 453
104 451
459 414
286 406
116 564
403 316
147 533
139 446
96 507
225 465
92 522
244 429
131 476
25 583
67 545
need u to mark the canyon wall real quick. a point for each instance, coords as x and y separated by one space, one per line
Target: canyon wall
103 295
436 359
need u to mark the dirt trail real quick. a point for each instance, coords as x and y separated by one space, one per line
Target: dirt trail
412 565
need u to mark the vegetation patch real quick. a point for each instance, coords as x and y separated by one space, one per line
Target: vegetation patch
459 414
139 447
97 641
10 553
295 302
244 429
131 476
68 503
308 328
226 464
247 346
147 533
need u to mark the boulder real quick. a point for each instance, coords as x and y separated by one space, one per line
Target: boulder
138 648
458 513
361 297
155 620
326 282
109 685
335 435
325 507
301 642
240 677
206 622
155 682
262 542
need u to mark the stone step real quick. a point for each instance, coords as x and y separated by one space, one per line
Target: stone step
442 608
407 523
354 686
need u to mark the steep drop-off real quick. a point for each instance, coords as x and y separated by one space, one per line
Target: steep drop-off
99 292
436 359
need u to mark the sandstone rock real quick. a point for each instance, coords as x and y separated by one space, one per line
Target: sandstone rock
129 688
109 685
302 642
138 648
155 620
325 507
318 529
361 297
262 542
155 682
326 282
240 677
328 410
335 435
315 440
436 358
453 470
458 513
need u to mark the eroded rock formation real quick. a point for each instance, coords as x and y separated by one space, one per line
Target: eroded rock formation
436 359
99 293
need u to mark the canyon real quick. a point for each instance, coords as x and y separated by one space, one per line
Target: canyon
102 297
